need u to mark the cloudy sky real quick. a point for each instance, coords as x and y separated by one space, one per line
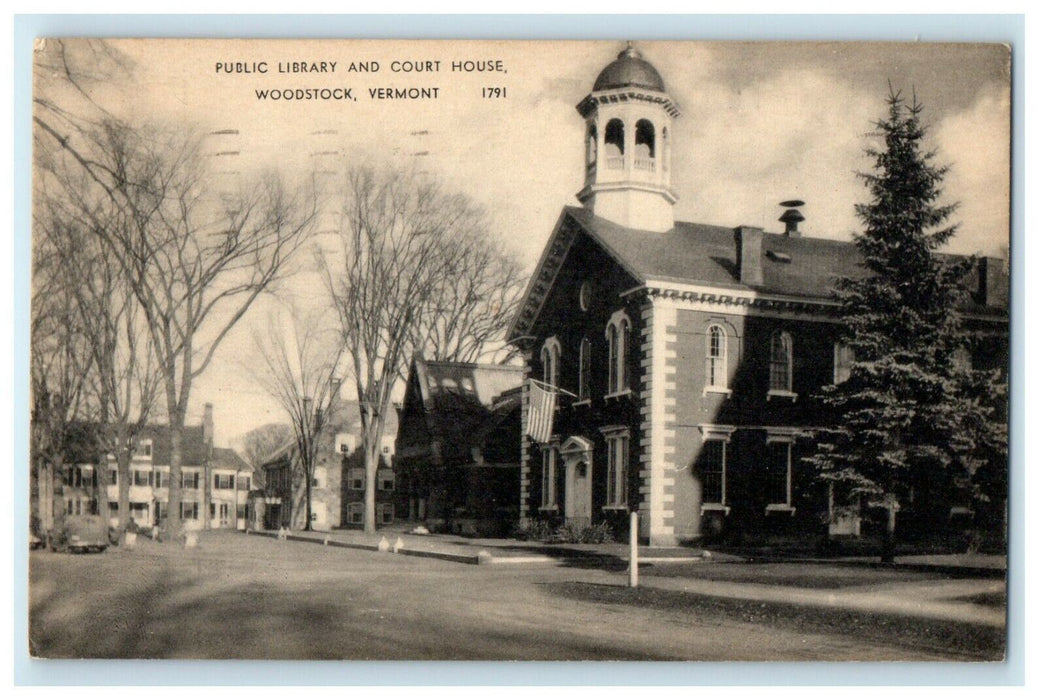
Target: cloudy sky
759 123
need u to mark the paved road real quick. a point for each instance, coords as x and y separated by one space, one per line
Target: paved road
252 597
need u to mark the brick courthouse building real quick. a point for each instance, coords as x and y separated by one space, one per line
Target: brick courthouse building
690 351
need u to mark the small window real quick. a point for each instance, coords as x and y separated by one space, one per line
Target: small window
781 362
386 481
356 513
388 513
243 483
190 480
114 477
143 478
712 469
585 295
114 506
191 510
161 478
223 481
357 481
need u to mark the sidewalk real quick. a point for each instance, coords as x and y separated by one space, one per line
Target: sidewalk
496 551
933 600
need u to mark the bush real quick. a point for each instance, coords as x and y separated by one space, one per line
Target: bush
566 533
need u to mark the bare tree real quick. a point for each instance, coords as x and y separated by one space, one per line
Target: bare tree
298 368
195 261
124 383
466 317
400 281
59 366
260 443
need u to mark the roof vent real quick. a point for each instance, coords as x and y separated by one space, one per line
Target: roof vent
792 216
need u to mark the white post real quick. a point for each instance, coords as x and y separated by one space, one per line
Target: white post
633 550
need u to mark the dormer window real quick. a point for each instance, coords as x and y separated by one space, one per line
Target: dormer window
617 354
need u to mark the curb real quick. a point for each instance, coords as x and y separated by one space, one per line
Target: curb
481 558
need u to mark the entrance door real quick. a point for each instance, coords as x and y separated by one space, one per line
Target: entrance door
577 460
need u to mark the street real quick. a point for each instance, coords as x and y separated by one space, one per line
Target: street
251 597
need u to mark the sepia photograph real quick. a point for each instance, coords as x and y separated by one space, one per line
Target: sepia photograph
511 350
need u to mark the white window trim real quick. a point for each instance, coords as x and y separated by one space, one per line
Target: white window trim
724 387
618 500
622 324
790 345
788 438
581 378
717 433
554 351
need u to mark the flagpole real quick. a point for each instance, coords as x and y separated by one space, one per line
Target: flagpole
553 388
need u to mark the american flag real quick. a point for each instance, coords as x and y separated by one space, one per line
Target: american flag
542 408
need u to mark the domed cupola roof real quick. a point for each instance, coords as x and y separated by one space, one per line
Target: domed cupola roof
629 70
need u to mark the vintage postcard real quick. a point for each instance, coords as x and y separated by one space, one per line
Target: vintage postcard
519 350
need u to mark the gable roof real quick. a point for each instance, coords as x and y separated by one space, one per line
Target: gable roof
225 458
463 402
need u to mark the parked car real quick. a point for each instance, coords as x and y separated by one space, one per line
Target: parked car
81 533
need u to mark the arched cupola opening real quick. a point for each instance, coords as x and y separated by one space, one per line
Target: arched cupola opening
614 142
590 146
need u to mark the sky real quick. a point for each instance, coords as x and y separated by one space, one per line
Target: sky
759 123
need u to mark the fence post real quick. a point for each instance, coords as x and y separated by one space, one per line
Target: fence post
633 550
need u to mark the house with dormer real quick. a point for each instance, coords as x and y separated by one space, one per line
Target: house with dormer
685 355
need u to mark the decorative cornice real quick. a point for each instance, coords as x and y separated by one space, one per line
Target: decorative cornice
728 298
544 276
615 96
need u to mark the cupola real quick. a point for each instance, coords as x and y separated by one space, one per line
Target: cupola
628 125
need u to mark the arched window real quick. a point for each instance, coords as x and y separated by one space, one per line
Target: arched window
617 353
550 354
715 358
781 362
614 143
584 371
645 135
590 145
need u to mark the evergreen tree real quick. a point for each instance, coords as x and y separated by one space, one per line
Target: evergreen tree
909 418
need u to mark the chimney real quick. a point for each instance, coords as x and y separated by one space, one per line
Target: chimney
208 423
792 216
749 241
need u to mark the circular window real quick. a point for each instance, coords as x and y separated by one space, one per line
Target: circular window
585 297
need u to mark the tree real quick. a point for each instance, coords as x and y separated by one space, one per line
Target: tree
299 364
195 259
122 386
906 417
260 443
399 281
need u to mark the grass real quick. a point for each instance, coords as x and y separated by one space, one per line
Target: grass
967 641
800 574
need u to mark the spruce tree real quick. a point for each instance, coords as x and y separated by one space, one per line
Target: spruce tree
907 419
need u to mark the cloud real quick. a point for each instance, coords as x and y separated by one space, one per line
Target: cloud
975 143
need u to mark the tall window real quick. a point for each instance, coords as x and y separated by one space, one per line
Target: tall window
711 465
781 362
844 362
223 481
548 477
190 510
617 470
617 353
143 477
779 473
190 480
584 370
715 358
550 362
